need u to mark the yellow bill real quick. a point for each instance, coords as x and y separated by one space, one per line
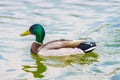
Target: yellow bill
25 33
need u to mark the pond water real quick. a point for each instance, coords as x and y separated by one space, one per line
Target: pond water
62 19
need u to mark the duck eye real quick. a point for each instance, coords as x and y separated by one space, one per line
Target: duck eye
32 28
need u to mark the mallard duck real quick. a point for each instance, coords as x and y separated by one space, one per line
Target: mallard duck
56 47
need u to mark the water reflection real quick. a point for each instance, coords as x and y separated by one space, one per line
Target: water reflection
63 61
41 63
40 67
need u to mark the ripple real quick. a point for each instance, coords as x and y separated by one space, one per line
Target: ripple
68 19
115 77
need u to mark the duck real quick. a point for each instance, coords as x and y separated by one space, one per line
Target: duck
60 47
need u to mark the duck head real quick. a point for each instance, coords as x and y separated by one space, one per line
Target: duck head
37 30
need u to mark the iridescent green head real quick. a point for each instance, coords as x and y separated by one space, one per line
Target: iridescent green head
37 30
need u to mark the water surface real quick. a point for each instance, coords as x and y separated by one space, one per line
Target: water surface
68 19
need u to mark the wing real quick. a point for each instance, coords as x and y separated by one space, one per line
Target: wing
57 44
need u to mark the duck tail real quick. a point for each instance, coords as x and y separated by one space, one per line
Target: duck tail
87 46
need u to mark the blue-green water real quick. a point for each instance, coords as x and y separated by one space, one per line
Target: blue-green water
68 19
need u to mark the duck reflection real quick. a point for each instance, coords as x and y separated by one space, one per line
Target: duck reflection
87 58
40 67
63 61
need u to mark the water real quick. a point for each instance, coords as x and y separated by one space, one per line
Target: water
68 19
